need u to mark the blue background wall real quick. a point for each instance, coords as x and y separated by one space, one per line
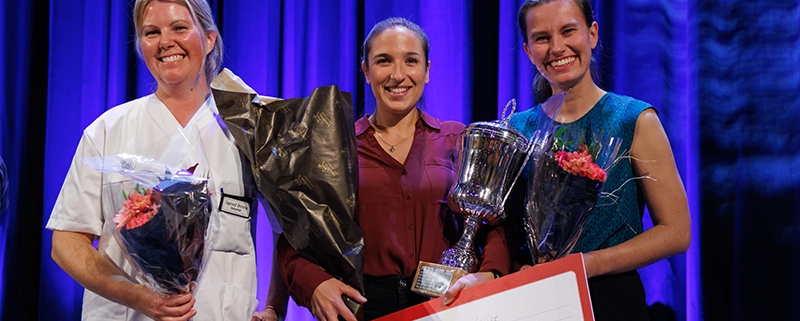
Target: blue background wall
724 75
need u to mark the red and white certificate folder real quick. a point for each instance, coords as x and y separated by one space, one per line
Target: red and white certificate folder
556 290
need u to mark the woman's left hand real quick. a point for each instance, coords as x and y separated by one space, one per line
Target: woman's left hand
464 282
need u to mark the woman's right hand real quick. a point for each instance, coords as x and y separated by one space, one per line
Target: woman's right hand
179 307
327 303
268 314
74 252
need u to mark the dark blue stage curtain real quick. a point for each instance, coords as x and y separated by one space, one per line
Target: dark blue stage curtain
724 76
749 94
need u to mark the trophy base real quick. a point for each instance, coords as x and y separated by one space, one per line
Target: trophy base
433 279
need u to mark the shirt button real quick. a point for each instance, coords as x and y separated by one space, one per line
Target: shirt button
403 172
402 283
410 225
408 196
412 256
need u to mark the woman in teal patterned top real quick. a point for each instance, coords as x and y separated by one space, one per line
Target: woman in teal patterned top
558 37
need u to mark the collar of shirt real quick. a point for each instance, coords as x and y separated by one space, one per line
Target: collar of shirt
363 123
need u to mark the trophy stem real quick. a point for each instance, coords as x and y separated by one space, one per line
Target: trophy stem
462 255
467 239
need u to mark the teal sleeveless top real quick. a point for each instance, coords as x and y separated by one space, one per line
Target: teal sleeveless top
618 218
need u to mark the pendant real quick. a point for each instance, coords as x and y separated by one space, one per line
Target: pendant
391 149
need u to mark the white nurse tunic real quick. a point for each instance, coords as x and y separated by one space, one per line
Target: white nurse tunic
146 127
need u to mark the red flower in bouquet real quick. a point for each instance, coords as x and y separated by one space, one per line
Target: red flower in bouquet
580 163
139 207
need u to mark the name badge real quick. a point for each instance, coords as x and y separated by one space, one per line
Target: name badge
236 205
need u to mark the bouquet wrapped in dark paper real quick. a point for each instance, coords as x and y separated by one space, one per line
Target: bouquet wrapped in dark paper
304 161
563 187
160 220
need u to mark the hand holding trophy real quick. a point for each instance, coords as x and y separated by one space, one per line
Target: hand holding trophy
491 157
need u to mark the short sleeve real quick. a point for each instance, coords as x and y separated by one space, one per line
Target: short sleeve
78 207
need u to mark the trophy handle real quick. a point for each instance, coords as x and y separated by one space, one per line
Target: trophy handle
513 103
462 255
531 147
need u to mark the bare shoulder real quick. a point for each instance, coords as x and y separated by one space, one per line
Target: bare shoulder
649 135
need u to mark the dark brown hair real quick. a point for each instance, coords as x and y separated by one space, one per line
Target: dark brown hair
391 23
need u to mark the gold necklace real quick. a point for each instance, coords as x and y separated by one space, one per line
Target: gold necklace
391 146
377 134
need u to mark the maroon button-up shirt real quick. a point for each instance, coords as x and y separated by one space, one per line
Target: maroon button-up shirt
402 209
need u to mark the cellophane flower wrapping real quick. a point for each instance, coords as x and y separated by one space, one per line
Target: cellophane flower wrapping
564 185
160 222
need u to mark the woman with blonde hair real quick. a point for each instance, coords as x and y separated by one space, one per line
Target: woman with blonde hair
181 46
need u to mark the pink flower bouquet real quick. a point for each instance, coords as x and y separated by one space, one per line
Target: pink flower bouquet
159 219
139 207
162 229
564 185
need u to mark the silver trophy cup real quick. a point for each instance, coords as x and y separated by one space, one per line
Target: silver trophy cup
491 157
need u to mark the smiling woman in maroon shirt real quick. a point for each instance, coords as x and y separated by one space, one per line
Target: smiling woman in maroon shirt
406 161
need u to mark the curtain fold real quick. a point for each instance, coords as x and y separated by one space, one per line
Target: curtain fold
447 24
748 100
24 50
661 28
89 71
724 76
